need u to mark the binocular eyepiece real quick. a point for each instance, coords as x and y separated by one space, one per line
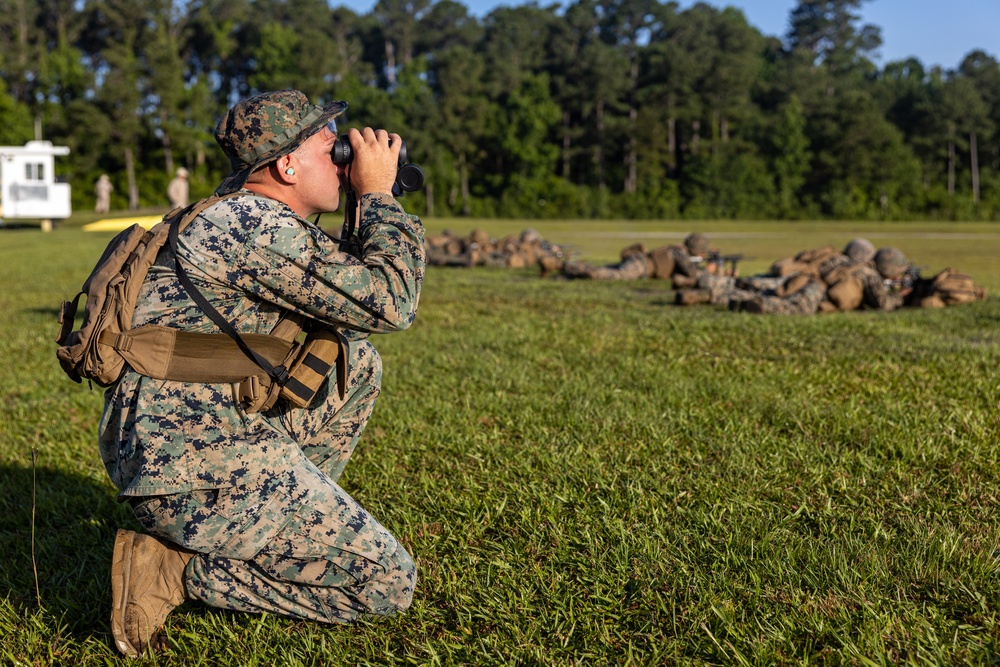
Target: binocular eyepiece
409 177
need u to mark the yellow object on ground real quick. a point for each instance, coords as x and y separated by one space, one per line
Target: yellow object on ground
118 224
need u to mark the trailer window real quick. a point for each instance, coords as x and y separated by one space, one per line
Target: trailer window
34 171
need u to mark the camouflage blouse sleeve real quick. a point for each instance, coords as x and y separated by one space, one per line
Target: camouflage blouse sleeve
685 265
879 295
292 263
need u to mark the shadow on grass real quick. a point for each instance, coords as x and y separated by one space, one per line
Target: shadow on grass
57 530
14 226
47 311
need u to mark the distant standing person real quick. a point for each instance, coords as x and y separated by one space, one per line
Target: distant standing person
177 191
103 190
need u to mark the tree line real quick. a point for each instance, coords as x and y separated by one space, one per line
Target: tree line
595 108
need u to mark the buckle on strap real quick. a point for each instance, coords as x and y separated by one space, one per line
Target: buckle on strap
123 342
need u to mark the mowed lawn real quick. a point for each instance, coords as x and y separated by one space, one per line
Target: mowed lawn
584 472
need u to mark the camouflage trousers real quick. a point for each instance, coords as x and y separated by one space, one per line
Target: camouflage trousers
724 289
806 301
291 541
760 294
440 257
633 267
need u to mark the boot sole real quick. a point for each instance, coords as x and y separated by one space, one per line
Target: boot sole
121 571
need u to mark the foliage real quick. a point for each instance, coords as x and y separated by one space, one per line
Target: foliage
612 107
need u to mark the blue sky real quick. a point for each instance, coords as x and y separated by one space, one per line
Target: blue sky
938 32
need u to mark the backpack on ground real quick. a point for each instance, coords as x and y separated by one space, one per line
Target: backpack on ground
948 288
806 261
845 288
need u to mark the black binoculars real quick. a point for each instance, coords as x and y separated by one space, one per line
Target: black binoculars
409 177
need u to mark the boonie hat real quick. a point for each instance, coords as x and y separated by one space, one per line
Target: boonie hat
261 129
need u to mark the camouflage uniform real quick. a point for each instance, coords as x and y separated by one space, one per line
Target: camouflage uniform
672 261
827 281
879 293
448 249
634 266
480 249
685 264
256 495
804 301
721 290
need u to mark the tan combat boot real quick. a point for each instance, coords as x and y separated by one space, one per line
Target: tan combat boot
754 305
550 265
684 282
691 297
147 582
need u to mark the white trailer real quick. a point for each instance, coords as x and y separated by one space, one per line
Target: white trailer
28 187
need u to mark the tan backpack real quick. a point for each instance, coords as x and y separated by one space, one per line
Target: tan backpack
948 288
807 261
845 287
663 261
106 341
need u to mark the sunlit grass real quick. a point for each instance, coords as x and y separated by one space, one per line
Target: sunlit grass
585 474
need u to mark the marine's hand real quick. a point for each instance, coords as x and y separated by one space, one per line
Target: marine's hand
375 160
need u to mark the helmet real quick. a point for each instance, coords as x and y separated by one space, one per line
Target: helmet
479 236
860 250
697 244
891 262
530 236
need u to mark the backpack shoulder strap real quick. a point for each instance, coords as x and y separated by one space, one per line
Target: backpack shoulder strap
277 373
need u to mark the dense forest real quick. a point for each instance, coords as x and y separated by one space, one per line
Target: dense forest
594 108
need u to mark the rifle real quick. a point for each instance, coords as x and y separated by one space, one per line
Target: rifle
908 280
722 261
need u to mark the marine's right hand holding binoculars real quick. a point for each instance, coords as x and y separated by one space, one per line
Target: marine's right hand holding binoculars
377 162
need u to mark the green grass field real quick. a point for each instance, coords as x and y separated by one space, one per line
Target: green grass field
585 473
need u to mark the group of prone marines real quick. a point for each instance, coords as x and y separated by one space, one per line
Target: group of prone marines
478 248
812 281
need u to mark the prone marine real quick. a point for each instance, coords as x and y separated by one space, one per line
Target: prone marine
826 280
683 264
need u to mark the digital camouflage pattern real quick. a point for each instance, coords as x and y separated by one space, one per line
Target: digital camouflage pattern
859 250
723 289
697 244
763 294
818 280
775 294
478 248
673 261
633 267
688 267
260 129
891 263
256 494
803 302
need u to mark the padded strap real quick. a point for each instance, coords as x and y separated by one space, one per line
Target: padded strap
277 373
165 353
